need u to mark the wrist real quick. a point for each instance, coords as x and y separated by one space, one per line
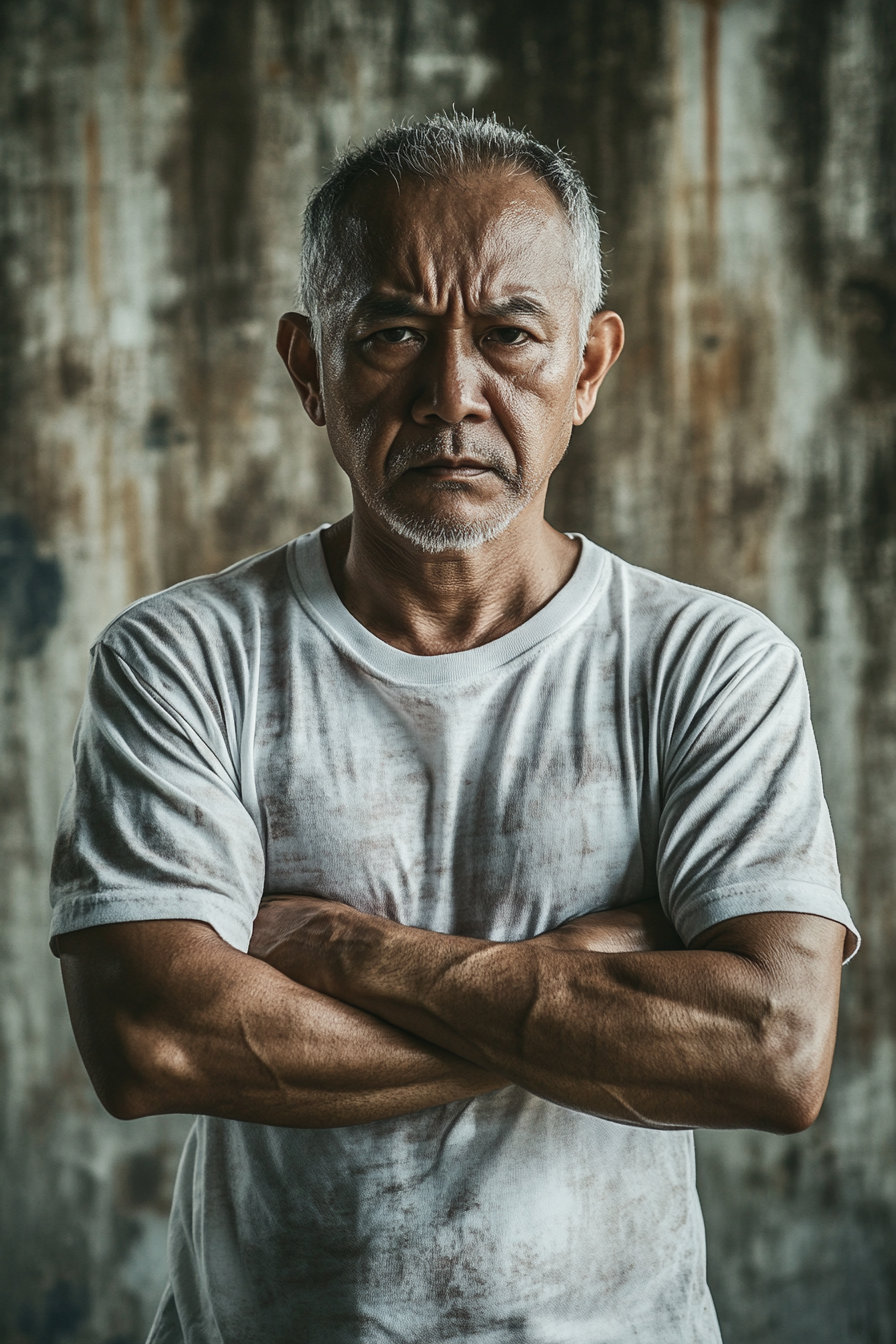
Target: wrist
345 948
298 935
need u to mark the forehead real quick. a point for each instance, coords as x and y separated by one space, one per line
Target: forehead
487 231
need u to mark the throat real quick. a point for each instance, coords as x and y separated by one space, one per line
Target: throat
429 605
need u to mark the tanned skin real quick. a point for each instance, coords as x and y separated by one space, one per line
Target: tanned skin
457 326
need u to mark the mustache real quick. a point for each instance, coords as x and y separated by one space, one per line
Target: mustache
453 441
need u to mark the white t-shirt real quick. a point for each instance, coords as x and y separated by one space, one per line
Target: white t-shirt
244 734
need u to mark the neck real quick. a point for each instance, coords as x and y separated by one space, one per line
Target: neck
430 604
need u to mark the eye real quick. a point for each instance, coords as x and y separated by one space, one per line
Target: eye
396 335
508 336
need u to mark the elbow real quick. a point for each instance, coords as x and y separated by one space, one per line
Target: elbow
795 1067
129 1097
139 1055
143 1075
124 1102
793 1109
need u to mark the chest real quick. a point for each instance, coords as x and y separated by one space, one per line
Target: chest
493 810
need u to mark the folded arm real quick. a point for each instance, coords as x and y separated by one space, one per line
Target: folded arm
737 1030
170 1018
340 1018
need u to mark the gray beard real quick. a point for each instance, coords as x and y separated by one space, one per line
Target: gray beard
432 536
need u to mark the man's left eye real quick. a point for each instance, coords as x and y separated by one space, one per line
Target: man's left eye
508 335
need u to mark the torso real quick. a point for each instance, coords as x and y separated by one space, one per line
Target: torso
492 793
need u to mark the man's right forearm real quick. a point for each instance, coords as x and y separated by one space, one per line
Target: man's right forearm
169 1018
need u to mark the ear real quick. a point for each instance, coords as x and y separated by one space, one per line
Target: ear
298 354
606 337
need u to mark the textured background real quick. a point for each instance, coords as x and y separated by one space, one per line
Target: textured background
155 158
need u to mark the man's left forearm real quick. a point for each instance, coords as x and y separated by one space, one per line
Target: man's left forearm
737 1033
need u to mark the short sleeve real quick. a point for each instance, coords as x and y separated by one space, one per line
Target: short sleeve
744 827
152 826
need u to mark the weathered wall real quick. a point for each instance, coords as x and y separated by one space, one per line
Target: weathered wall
155 157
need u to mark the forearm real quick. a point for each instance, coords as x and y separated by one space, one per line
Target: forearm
616 1041
303 1059
244 1042
665 1038
642 1037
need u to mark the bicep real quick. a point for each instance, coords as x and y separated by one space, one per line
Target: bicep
787 945
139 967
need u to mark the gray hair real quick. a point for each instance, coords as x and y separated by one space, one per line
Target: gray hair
445 146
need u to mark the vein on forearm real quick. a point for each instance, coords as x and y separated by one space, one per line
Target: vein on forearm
565 1019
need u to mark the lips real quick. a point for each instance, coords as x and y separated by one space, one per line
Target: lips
447 458
447 466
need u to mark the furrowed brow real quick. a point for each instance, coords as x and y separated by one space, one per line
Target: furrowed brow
377 307
515 305
382 307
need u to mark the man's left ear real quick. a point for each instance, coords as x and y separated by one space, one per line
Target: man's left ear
606 337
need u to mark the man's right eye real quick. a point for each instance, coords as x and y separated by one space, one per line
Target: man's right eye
396 335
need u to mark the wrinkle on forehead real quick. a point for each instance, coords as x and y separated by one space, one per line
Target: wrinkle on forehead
455 241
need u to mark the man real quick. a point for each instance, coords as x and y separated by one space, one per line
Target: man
527 847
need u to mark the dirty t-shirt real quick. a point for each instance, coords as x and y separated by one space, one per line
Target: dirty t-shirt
243 735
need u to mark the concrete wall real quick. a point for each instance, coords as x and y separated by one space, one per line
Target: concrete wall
155 159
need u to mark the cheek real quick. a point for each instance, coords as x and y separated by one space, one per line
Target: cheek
360 429
364 392
536 408
552 377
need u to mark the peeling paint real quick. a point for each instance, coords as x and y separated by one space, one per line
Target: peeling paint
156 156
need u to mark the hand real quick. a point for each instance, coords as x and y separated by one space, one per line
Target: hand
641 927
279 918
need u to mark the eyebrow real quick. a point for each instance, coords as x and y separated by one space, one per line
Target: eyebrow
378 306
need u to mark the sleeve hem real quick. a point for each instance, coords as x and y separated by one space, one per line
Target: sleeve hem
87 911
701 911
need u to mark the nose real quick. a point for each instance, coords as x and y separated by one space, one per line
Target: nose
450 390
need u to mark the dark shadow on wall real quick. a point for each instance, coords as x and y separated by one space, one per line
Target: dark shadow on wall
30 588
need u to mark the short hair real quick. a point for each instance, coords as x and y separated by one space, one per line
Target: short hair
445 146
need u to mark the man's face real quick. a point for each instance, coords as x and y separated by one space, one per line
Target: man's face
450 366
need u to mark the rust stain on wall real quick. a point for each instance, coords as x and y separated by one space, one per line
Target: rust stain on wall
93 164
711 39
169 14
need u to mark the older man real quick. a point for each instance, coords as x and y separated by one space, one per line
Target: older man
450 869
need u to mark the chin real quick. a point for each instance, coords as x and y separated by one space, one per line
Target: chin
436 536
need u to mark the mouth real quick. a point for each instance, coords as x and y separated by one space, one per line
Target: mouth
451 468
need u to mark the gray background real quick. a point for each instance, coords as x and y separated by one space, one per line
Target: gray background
155 158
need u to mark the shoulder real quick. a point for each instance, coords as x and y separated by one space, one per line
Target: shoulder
687 650
203 604
206 635
701 667
667 618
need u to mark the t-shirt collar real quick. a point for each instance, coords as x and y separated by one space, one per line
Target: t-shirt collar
314 589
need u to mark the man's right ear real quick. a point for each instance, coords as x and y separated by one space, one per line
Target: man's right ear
298 354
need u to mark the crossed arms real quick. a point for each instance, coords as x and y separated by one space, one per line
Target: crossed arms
339 1018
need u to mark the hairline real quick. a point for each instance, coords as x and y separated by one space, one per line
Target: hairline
406 302
469 147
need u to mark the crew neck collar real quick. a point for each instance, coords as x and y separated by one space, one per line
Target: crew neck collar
314 589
